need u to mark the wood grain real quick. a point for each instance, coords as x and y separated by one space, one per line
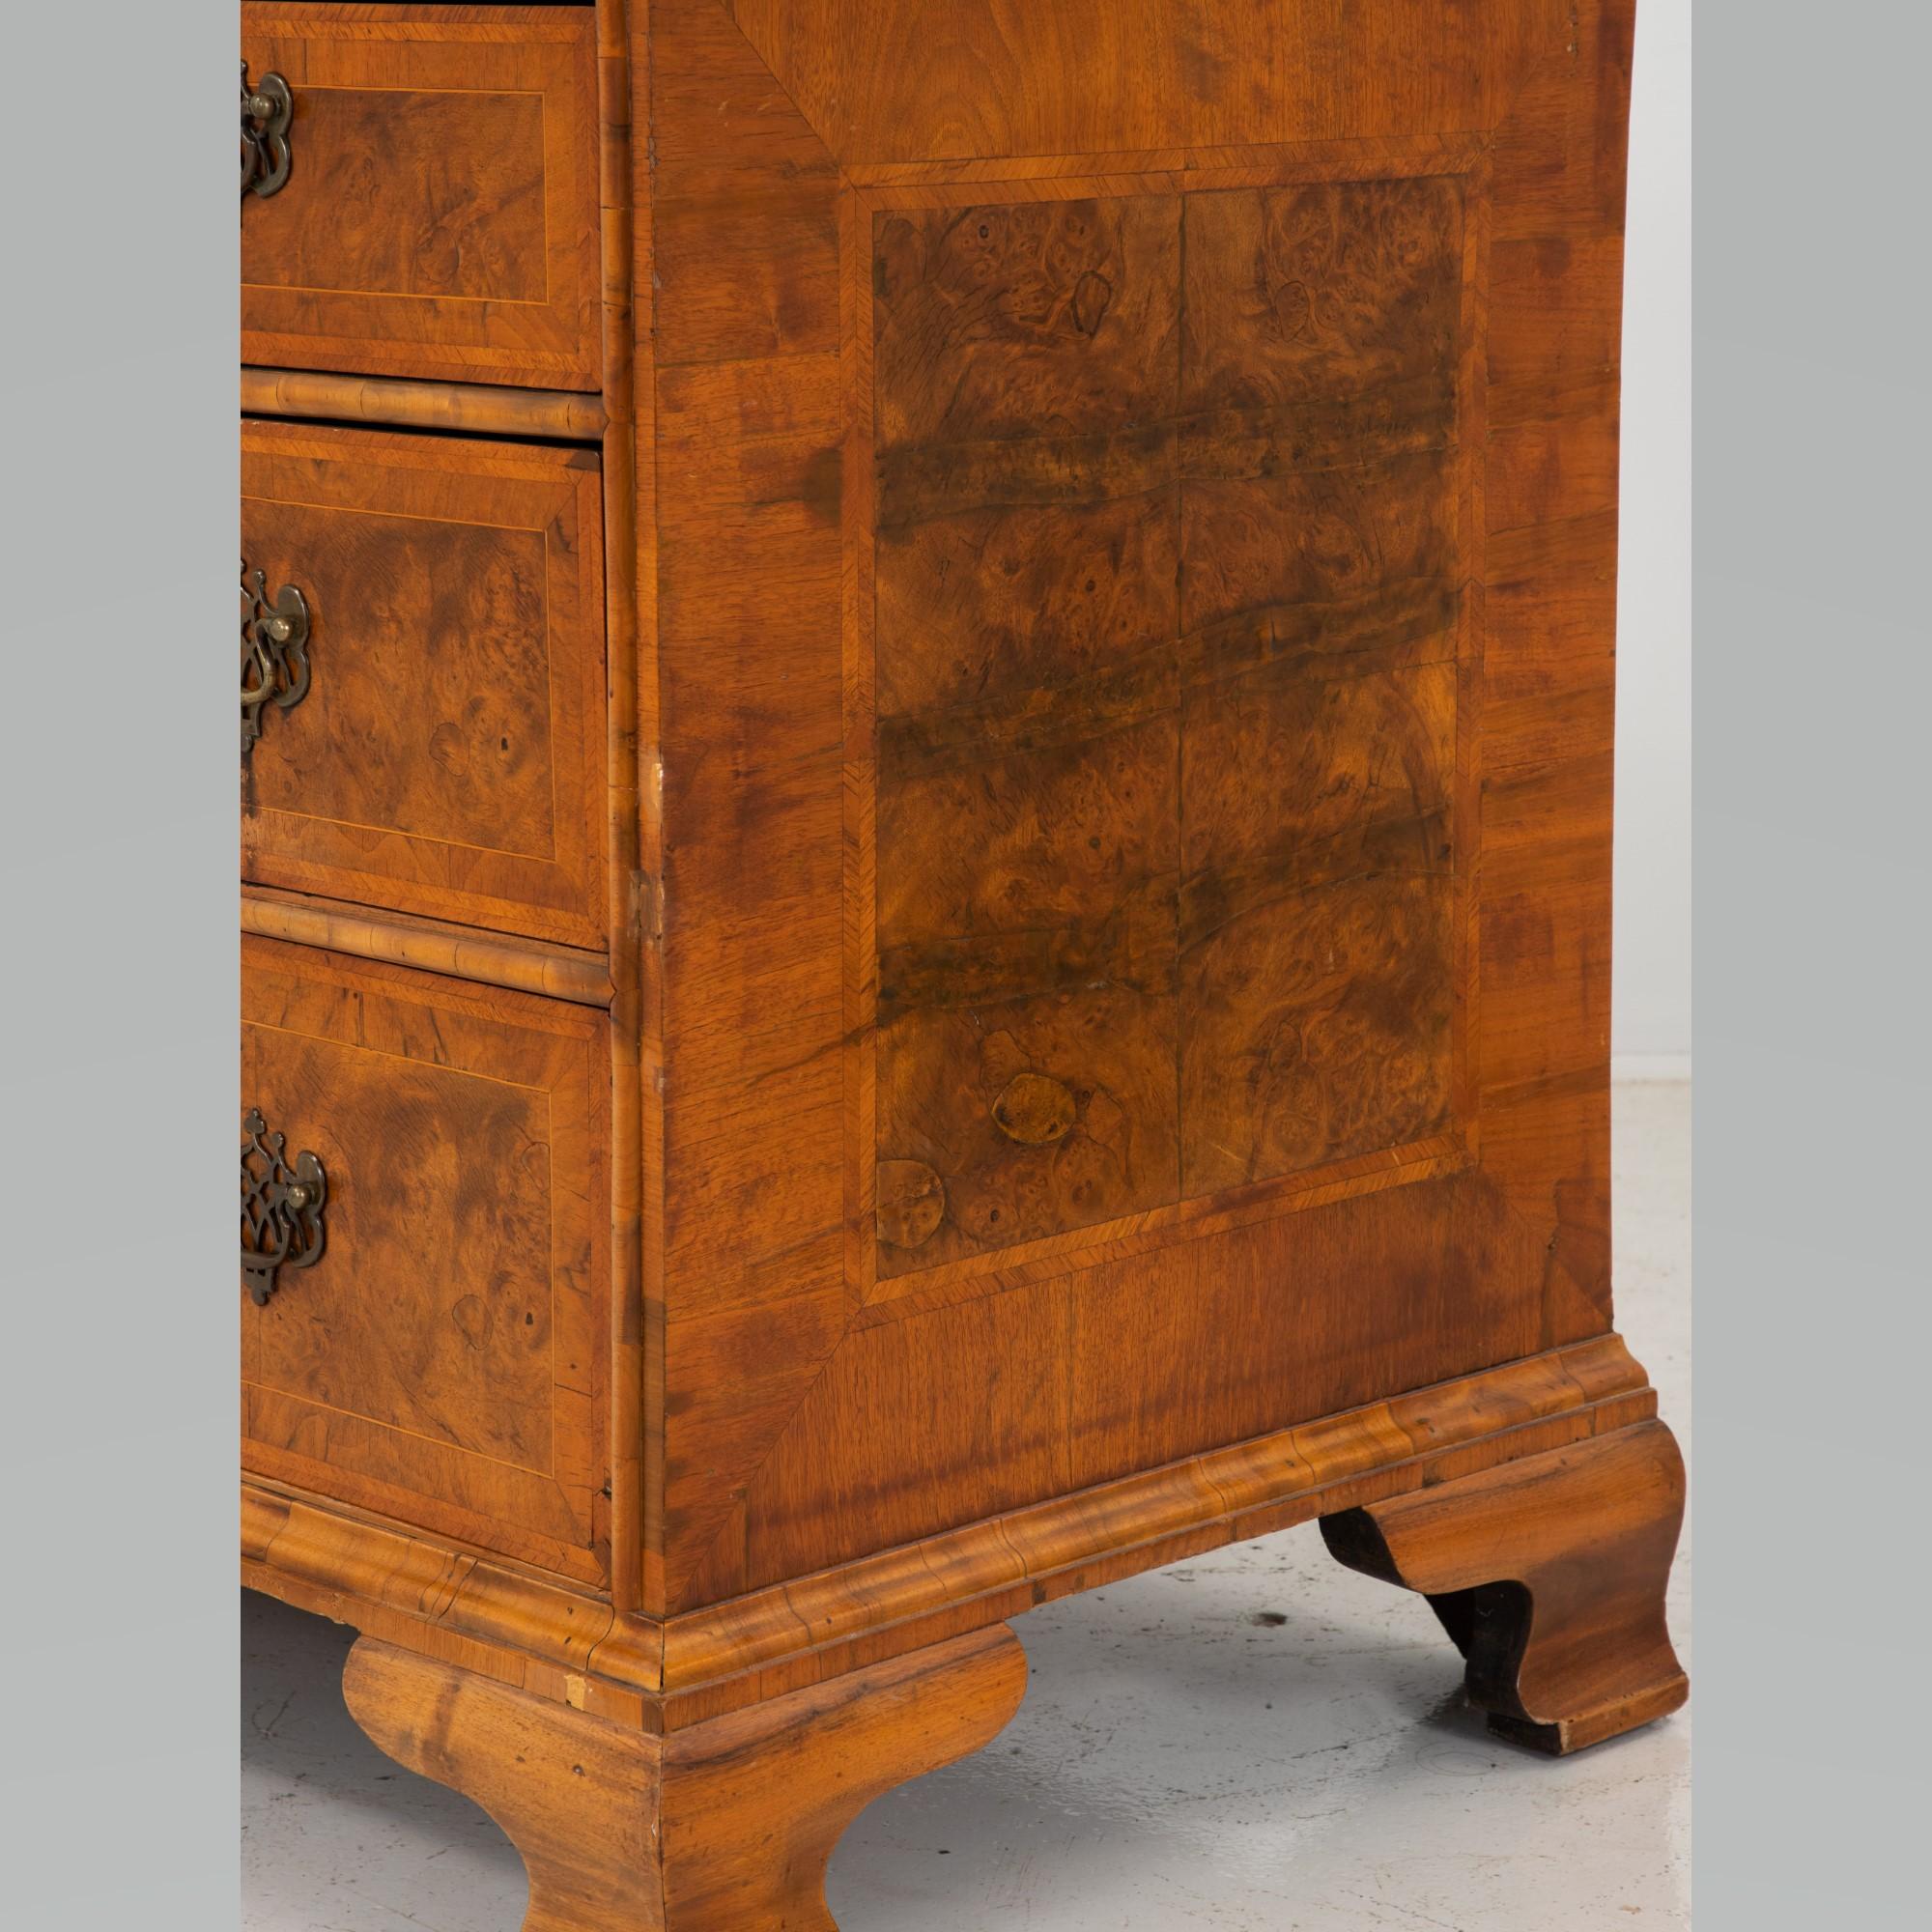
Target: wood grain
444 1359
1549 1574
1337 469
517 1626
1167 587
665 1675
905 82
727 1826
470 406
449 759
748 568
632 858
1026 690
1000 1566
1549 621
439 218
1101 776
457 951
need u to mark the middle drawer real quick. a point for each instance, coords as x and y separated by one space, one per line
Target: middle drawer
427 615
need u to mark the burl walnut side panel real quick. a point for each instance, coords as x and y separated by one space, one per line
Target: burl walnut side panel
1168 596
1134 577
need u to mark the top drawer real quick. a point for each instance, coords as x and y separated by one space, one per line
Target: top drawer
438 217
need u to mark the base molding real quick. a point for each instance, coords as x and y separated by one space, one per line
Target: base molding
545 1637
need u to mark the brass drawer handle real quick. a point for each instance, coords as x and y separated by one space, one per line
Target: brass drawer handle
266 113
274 651
281 1207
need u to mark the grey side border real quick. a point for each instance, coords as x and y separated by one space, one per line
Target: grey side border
118 346
1813 910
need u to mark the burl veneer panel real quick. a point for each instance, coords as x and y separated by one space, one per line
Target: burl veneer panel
1167 611
1173 628
448 757
439 218
487 247
443 1362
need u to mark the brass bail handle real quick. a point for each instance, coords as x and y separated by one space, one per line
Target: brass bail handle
283 1203
274 651
266 111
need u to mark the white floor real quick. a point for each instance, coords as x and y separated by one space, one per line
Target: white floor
1258 1739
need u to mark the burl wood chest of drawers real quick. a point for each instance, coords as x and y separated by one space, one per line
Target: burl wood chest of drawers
925 765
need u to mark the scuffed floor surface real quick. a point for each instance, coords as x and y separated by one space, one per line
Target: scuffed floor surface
1256 1740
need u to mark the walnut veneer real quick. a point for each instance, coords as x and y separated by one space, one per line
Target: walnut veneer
926 853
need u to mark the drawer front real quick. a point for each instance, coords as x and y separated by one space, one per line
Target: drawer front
438 216
442 1360
446 756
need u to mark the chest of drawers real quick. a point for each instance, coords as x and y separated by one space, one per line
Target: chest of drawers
925 765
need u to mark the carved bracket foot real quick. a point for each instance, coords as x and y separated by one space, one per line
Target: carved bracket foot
1548 1573
724 1827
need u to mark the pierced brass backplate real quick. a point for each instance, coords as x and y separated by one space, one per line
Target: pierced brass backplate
266 113
274 651
281 1207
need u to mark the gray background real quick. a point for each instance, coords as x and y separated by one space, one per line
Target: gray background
1650 996
118 341
1813 419
117 1748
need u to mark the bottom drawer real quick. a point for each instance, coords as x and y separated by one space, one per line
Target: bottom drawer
438 1354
